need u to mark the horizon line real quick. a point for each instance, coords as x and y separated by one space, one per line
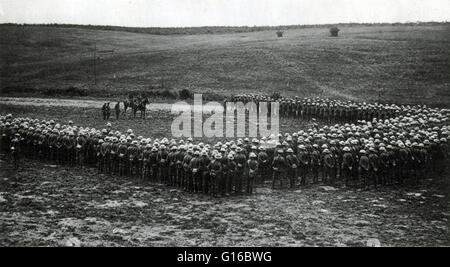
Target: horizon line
222 26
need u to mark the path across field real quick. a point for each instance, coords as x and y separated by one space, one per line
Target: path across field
80 103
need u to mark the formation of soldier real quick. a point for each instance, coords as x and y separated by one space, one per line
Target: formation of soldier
367 152
327 110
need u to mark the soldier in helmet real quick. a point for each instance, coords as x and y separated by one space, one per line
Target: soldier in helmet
316 162
347 165
58 148
122 157
163 159
241 162
153 164
80 149
329 162
253 165
384 165
231 173
69 143
373 166
15 149
292 167
215 169
204 163
146 167
100 156
264 163
132 153
403 162
303 160
179 164
195 167
187 174
279 168
363 168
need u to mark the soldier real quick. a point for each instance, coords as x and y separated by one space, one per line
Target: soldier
186 170
316 163
264 164
215 169
132 153
292 167
52 140
179 164
421 156
173 164
303 160
80 149
329 163
347 165
364 166
100 156
163 159
114 155
146 153
123 159
384 166
253 165
58 147
231 174
373 166
105 151
153 163
278 167
204 162
15 150
241 161
69 143
403 162
195 167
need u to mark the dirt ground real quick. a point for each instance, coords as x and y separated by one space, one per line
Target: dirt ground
47 205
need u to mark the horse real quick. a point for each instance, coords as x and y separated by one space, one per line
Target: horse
126 104
134 107
142 107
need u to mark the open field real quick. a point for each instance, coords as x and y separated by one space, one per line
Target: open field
407 64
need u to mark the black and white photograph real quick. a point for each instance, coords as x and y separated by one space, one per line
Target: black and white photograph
232 124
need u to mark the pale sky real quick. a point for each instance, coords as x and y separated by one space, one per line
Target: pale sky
185 13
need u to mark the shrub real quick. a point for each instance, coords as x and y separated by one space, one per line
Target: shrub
279 34
186 94
168 94
334 31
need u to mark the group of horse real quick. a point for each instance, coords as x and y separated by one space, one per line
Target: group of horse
137 104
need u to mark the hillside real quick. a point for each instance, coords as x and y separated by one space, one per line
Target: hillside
408 64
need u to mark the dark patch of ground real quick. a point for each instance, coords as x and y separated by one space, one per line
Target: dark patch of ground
46 205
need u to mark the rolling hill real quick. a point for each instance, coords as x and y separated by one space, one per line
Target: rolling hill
402 63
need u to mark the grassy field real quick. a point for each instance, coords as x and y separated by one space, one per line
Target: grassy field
407 64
